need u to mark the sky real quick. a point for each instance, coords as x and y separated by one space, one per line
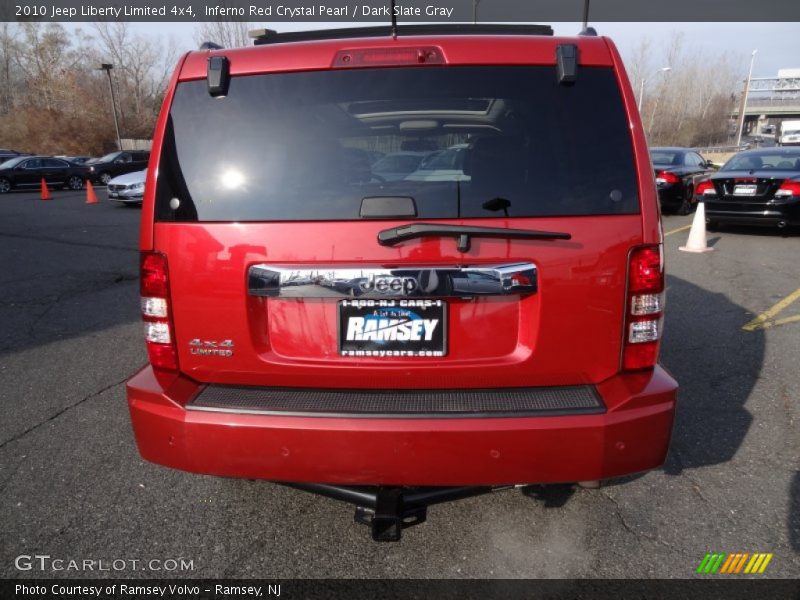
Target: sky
778 44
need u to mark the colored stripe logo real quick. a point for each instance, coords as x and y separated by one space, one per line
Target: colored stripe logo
734 563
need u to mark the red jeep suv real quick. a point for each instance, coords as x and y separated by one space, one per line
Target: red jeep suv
398 342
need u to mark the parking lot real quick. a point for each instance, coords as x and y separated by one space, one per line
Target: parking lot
73 486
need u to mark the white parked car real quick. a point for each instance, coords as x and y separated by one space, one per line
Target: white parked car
128 188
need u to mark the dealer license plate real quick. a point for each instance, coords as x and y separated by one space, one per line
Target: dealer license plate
393 328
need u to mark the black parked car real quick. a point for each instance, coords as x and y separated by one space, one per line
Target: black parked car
77 160
755 187
25 172
676 170
7 154
109 166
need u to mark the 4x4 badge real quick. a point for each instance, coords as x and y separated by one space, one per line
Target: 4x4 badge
200 347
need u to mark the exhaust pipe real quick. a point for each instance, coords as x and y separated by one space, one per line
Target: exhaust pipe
782 224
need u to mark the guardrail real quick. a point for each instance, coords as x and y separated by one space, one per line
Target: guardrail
712 149
792 102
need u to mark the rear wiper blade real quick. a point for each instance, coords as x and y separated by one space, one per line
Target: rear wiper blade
395 235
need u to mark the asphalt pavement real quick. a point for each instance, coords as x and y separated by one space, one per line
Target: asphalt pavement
72 485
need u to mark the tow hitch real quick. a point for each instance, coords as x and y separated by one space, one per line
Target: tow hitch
388 510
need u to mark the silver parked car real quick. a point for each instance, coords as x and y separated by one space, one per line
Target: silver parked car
128 188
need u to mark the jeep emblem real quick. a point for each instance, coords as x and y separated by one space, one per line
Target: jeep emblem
388 284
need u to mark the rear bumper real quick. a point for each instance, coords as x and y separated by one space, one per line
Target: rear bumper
633 436
771 214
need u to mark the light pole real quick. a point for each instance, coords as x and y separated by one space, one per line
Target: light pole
743 105
107 68
475 11
641 85
655 106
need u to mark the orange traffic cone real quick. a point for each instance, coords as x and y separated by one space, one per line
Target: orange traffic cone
91 197
45 195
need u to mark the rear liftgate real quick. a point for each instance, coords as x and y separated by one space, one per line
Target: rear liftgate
390 509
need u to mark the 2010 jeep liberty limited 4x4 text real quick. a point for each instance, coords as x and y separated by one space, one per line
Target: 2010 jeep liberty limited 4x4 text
403 270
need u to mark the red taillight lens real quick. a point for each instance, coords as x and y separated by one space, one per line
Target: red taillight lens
646 273
667 177
705 188
162 356
385 57
641 356
153 281
158 330
787 189
644 308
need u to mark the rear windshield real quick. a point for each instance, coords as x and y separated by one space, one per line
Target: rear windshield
766 161
665 157
13 162
312 145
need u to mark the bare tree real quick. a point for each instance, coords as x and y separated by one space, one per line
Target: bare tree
44 56
229 34
8 50
54 99
141 67
639 66
690 105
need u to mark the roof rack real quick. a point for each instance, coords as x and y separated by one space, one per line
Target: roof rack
269 36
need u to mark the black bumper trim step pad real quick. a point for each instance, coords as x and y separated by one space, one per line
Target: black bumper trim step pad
499 402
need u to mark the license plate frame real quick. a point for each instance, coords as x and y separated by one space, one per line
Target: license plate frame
375 336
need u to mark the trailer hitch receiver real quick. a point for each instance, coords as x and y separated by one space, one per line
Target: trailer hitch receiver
390 516
387 510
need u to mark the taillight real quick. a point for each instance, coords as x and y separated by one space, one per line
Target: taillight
158 330
644 308
386 57
788 189
705 188
665 177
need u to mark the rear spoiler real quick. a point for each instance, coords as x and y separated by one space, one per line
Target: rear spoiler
270 36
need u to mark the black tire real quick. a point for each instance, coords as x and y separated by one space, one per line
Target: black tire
5 186
74 183
104 178
686 205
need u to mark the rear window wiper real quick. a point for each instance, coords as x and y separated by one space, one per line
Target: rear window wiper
395 235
